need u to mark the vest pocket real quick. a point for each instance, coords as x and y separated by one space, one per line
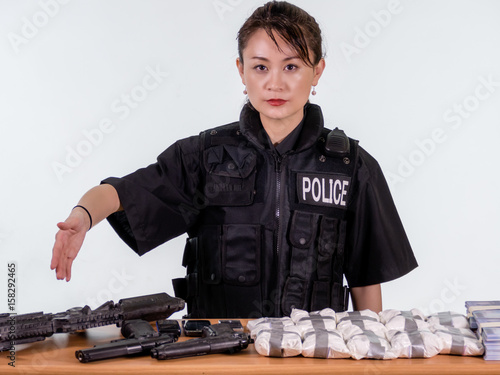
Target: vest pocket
230 175
210 254
302 237
241 252
294 295
320 297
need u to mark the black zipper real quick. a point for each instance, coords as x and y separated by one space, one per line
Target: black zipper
277 217
277 213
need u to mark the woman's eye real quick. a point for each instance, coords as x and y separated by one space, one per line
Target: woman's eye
260 68
290 67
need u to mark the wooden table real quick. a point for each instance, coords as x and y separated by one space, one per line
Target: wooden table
56 355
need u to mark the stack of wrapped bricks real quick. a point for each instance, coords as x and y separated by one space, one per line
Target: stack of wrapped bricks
365 334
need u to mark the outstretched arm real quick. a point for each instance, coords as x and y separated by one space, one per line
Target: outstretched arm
367 297
100 202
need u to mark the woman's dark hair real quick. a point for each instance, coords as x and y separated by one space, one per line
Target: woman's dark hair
294 25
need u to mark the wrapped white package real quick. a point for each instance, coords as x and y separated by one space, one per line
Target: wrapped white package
321 343
279 342
398 320
458 341
254 326
369 345
414 344
349 328
298 314
388 314
448 318
324 319
357 315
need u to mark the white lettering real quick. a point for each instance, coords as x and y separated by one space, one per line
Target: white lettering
305 189
139 94
373 28
455 287
448 116
106 126
16 40
324 191
60 169
325 199
123 106
51 7
337 196
316 187
383 17
344 192
393 178
117 108
416 158
40 19
28 30
471 103
489 84
73 160
348 50
438 135
84 148
478 93
148 85
157 74
94 136
445 298
123 277
437 305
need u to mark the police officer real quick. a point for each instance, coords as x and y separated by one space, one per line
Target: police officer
277 208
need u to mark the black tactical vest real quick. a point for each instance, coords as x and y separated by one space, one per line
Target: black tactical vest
272 231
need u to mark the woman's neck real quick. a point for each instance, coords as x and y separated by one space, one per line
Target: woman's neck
278 130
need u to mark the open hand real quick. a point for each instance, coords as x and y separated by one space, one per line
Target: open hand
69 240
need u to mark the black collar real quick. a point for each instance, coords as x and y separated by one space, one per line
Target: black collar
312 125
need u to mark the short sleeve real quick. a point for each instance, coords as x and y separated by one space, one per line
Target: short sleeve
377 248
158 201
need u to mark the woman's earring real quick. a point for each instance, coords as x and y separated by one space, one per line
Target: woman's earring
314 90
245 91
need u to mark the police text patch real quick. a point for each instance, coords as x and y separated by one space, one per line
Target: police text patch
323 189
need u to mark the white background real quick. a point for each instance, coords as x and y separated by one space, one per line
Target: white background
405 78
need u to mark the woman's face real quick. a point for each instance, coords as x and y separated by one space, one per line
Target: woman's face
278 82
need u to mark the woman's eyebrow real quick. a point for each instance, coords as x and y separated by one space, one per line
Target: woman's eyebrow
267 60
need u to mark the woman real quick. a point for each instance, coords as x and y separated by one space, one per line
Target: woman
277 208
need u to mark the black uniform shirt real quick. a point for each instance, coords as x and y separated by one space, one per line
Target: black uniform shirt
155 200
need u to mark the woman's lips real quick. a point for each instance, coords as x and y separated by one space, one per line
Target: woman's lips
276 102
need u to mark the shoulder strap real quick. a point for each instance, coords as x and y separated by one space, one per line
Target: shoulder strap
229 134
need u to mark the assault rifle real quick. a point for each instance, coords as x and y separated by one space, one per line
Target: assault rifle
26 328
140 338
217 338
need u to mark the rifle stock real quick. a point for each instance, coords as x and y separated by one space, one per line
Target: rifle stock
32 327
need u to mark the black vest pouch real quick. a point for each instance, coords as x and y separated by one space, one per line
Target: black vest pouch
186 287
230 175
294 295
321 294
339 298
209 253
328 290
302 234
241 254
229 271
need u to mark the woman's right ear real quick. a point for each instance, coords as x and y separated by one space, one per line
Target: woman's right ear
239 65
